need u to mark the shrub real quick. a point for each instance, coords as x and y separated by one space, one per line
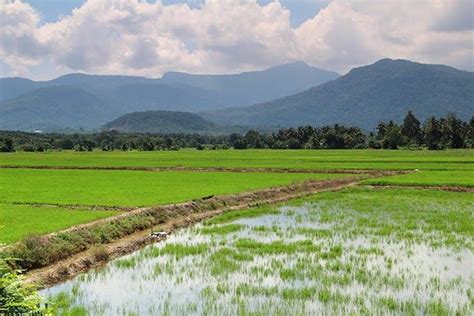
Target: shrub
100 252
39 251
32 252
15 297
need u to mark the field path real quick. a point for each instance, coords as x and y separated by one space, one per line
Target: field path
204 169
179 216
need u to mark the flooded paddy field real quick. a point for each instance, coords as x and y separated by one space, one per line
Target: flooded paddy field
358 250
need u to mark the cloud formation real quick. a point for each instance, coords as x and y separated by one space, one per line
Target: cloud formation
140 38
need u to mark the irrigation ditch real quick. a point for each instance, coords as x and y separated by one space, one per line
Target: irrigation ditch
54 258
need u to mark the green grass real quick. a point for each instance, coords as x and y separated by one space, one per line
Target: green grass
18 221
428 178
439 218
275 247
245 213
221 230
403 214
293 159
180 251
132 188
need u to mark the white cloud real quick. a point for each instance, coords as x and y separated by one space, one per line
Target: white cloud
141 38
20 47
339 37
350 33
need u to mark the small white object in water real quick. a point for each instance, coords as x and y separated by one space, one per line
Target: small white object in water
159 234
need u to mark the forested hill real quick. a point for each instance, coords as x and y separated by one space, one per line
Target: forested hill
164 122
385 90
53 108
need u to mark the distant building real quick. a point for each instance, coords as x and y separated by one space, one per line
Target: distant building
38 131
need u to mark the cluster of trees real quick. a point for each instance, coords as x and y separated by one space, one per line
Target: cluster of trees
336 136
434 134
449 132
107 141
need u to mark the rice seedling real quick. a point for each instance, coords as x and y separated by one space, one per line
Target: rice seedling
295 159
351 252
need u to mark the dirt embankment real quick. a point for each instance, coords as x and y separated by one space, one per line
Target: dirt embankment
204 169
246 199
181 215
175 216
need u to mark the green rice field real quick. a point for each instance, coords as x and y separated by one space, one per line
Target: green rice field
367 249
36 190
259 158
428 178
356 251
19 221
133 188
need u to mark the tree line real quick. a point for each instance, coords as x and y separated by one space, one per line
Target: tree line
434 134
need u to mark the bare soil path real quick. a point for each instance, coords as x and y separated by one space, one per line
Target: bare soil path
194 212
200 169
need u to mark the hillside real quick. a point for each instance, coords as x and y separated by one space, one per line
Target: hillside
161 122
159 96
53 108
118 95
384 90
14 87
256 86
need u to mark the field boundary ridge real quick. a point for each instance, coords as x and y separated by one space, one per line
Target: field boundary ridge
77 258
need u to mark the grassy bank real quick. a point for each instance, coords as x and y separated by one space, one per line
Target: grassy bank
38 251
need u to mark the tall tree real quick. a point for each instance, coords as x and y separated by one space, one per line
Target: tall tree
381 129
411 128
453 132
7 146
252 138
393 136
470 133
433 134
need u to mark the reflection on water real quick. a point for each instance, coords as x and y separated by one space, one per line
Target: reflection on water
298 261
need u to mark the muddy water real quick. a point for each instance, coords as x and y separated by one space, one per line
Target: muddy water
342 270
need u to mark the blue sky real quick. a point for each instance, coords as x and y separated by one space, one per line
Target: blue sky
51 10
301 10
43 39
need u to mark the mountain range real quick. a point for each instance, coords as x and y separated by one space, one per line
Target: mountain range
382 91
88 101
287 95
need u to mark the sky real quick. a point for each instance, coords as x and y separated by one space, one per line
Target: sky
43 39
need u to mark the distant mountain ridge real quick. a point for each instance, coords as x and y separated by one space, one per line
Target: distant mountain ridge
53 108
385 90
272 83
175 91
282 79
